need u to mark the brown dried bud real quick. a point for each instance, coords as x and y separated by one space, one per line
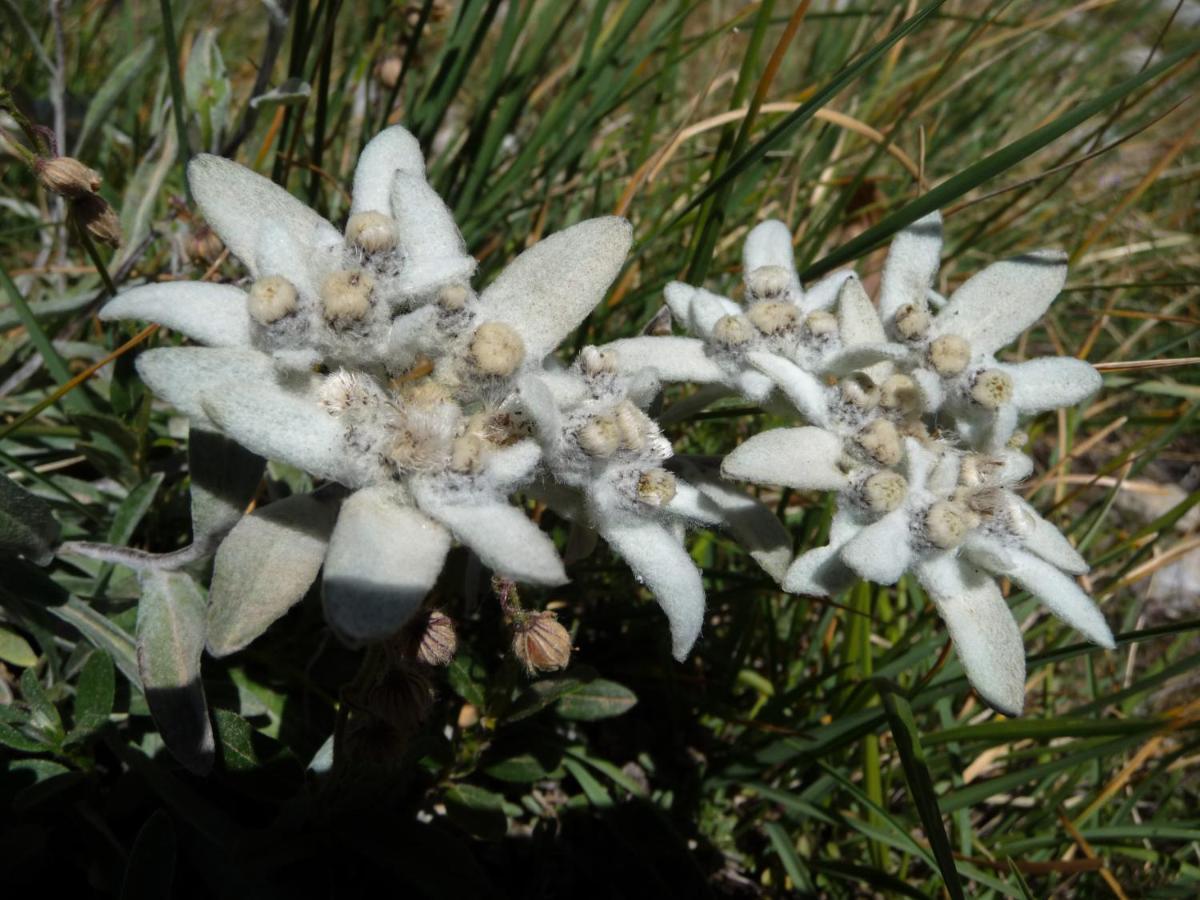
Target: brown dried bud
540 643
93 214
439 643
402 698
67 177
203 245
387 71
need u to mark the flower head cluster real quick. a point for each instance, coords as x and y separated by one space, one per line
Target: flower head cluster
365 357
911 421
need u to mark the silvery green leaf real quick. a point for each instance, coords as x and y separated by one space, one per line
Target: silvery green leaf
264 567
805 458
180 374
881 551
802 388
383 559
753 525
170 639
225 477
1051 383
992 308
984 632
824 293
213 314
858 320
769 243
27 527
290 92
434 250
1049 543
547 291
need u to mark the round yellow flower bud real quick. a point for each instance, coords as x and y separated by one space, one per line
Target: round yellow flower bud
497 349
346 296
271 299
949 355
373 231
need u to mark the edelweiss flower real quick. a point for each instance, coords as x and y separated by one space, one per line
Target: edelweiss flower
780 322
954 348
366 359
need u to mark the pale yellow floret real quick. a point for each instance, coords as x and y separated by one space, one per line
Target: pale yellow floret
859 390
453 297
600 437
1018 440
947 523
899 393
821 324
346 295
732 331
497 349
992 389
912 322
656 487
773 317
880 441
633 425
595 361
372 231
884 491
343 391
466 453
949 355
271 299
767 282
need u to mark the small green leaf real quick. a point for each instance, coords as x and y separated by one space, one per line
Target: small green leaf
94 693
170 639
113 89
44 719
16 650
599 699
466 675
27 527
11 737
151 867
541 694
235 738
132 509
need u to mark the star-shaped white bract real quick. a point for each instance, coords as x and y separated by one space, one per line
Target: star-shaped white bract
366 359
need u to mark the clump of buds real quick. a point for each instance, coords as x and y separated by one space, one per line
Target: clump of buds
540 642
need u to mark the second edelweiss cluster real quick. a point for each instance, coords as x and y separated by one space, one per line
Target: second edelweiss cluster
911 420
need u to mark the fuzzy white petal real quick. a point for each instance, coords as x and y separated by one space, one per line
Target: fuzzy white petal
858 320
237 202
283 424
665 567
824 293
805 458
434 251
769 243
933 394
1049 543
509 467
983 630
180 374
992 308
392 150
694 505
919 462
304 259
863 356
944 476
540 405
752 524
500 534
675 359
678 297
911 265
213 314
383 559
881 551
1051 383
707 309
411 335
547 291
819 572
807 394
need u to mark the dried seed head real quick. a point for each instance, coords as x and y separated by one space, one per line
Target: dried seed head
271 299
453 297
346 296
402 698
93 214
880 441
884 491
949 355
899 393
912 322
387 71
859 390
496 349
773 316
424 393
66 177
540 642
732 331
372 231
821 324
600 437
992 389
439 640
947 523
656 487
203 245
466 453
768 282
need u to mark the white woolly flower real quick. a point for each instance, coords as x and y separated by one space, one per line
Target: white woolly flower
414 415
831 329
954 342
